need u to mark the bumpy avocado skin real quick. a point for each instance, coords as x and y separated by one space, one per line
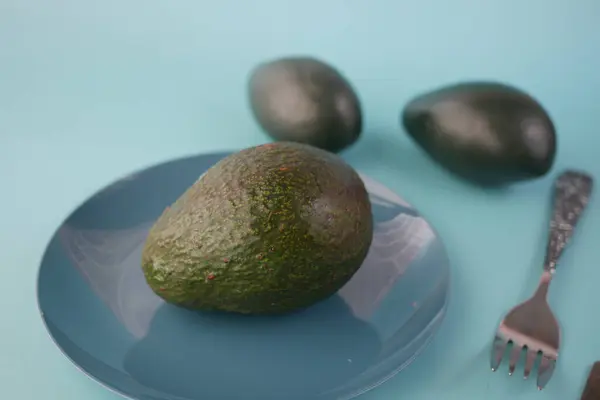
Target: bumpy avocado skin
267 230
305 100
486 132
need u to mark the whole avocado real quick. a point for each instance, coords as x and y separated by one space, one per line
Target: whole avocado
267 230
304 100
486 132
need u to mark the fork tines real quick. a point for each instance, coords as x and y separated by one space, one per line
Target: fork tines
533 352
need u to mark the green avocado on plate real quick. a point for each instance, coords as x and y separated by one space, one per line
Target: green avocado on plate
267 230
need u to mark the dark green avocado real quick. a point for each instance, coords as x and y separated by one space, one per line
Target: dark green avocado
486 132
267 230
304 100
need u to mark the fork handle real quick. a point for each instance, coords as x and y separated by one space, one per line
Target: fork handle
572 190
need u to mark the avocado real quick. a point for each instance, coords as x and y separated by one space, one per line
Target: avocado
267 230
486 132
305 100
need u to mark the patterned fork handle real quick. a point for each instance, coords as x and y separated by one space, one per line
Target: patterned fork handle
571 194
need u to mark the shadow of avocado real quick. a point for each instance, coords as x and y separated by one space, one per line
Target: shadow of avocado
191 355
411 162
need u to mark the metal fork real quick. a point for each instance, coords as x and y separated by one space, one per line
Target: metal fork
530 327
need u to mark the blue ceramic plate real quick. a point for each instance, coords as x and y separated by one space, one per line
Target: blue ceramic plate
96 305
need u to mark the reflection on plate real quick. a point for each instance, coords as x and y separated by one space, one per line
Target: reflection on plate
100 312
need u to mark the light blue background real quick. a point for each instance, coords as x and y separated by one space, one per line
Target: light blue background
91 90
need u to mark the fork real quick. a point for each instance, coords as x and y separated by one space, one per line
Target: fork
531 327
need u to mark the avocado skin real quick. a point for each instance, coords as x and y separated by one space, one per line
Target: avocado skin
267 230
304 100
486 132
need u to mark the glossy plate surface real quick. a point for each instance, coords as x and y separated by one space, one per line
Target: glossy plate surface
100 312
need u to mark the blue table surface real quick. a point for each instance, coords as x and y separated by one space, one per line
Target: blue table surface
90 91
